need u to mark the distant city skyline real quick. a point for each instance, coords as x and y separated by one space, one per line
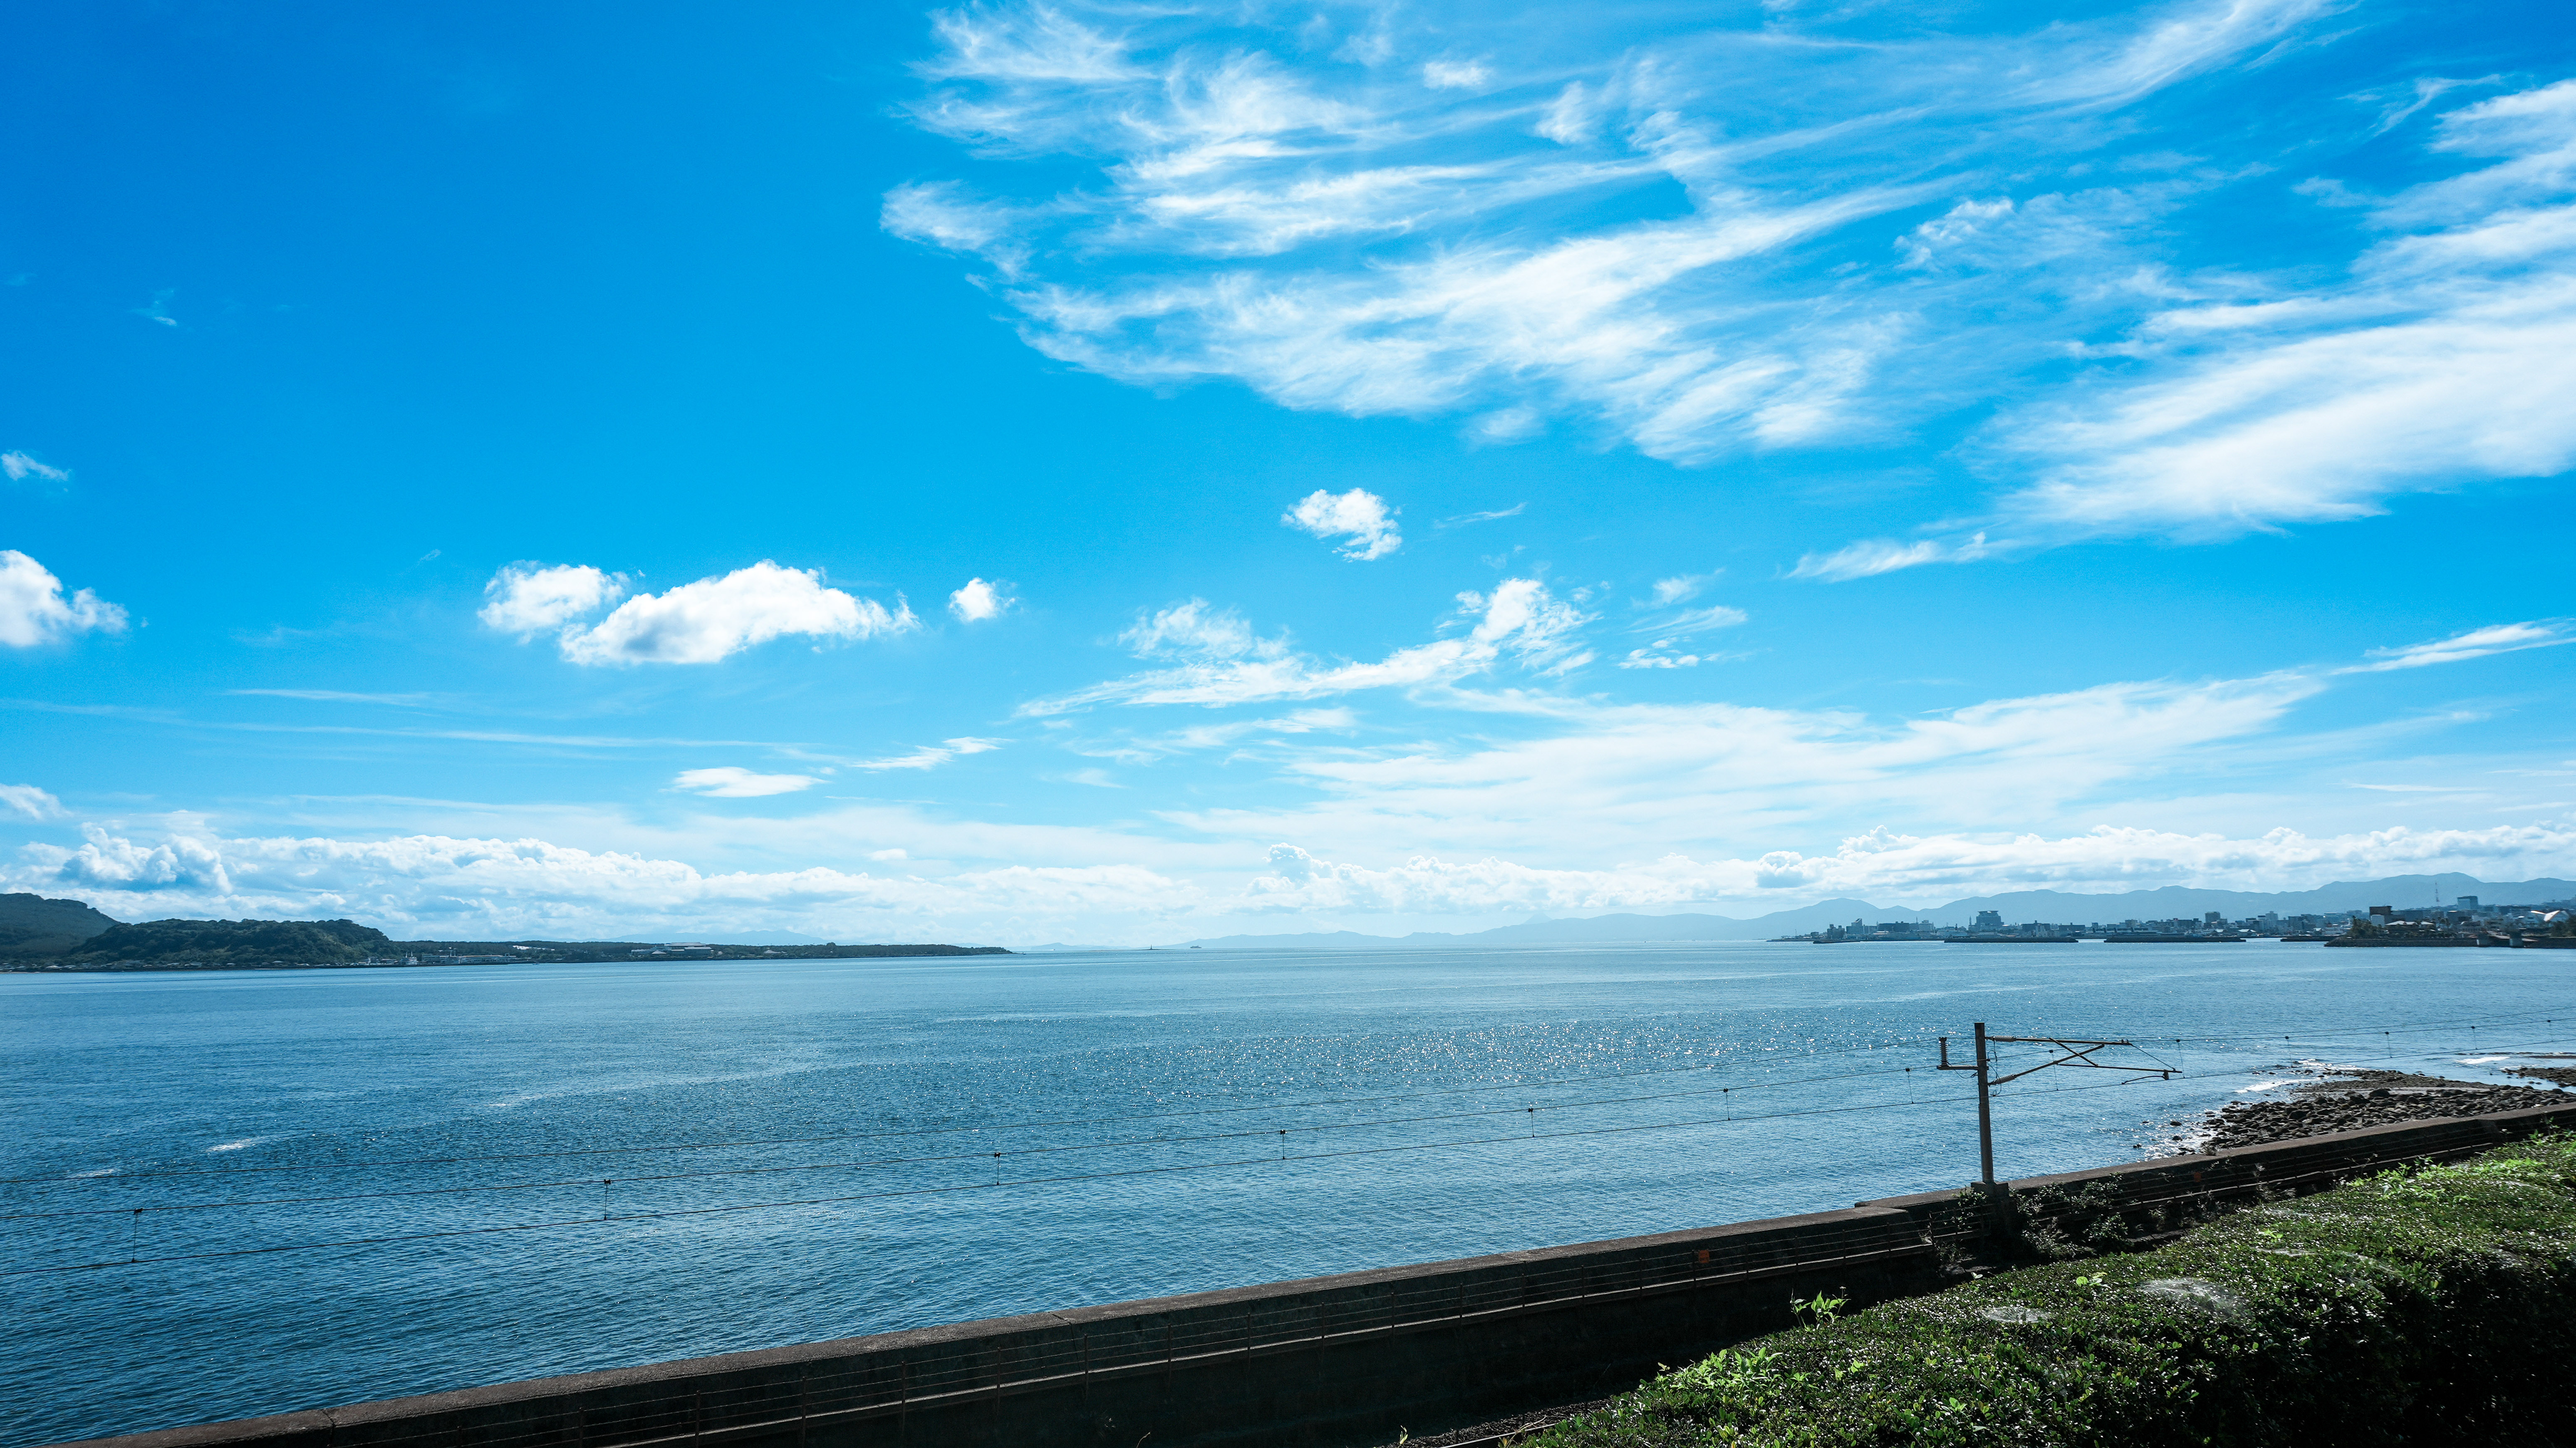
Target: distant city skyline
1020 473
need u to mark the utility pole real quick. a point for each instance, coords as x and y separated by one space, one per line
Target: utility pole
2076 1053
1985 1107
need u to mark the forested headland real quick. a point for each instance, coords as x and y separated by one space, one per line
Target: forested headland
41 934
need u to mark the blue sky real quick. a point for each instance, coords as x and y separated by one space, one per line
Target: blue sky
1105 473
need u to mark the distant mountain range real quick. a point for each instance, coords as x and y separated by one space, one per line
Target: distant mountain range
2015 906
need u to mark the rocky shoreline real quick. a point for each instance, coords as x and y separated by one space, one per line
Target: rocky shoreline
2335 1100
2352 1099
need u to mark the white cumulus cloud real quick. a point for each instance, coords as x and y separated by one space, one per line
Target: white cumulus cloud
33 609
979 600
1359 515
715 618
730 781
531 598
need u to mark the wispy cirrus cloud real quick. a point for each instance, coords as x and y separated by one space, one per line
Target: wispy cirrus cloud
1463 519
2447 356
1684 622
2477 643
339 696
927 756
1231 734
1671 626
1346 214
1344 224
1220 660
1680 588
1587 778
1594 780
729 781
1873 556
19 466
28 802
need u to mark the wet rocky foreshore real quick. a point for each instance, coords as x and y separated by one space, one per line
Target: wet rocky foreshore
2350 1100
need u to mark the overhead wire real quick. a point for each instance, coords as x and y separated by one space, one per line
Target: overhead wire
1283 1157
89 1177
93 1177
962 1187
998 1156
994 1155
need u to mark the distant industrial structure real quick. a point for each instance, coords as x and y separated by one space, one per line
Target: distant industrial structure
2463 922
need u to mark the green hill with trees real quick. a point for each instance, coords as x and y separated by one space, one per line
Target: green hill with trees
37 934
244 942
31 925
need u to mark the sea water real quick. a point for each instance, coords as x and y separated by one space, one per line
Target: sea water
292 1189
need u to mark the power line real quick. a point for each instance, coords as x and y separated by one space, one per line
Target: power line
882 1162
964 1187
940 1157
89 1178
2420 1029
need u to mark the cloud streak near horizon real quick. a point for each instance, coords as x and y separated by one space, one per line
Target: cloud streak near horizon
504 889
1698 798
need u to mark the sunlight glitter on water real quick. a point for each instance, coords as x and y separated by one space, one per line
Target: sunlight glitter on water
1437 1104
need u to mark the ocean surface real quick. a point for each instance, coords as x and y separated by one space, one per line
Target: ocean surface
480 1174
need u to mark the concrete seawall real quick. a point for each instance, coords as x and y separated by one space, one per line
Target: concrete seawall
1323 1362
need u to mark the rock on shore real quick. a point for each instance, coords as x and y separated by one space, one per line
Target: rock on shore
2350 1100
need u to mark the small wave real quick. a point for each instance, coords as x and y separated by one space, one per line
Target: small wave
84 1175
237 1145
2266 1086
2482 1060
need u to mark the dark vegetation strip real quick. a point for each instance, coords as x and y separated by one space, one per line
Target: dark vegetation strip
2424 1307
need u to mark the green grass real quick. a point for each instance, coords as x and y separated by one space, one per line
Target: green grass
2429 1307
